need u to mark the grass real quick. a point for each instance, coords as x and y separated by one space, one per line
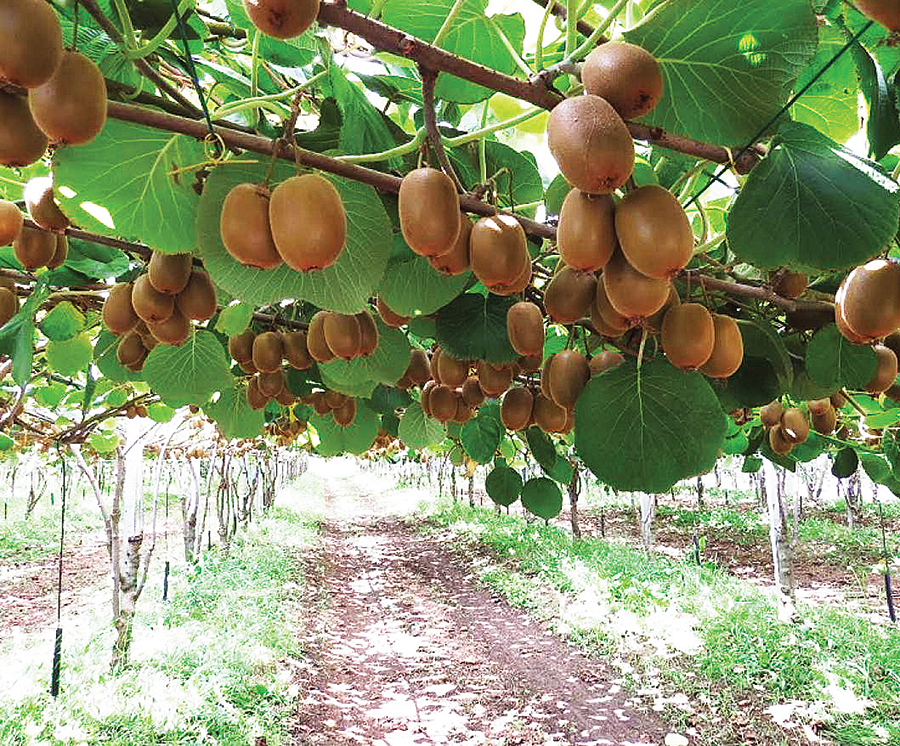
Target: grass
698 632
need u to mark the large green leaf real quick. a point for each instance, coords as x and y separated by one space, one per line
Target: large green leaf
482 434
418 431
833 361
62 323
551 461
232 414
812 204
473 327
355 438
131 172
503 485
728 66
189 373
883 125
70 356
360 376
345 286
17 334
542 497
645 429
412 287
765 373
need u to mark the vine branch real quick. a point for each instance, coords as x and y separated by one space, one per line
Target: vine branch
429 80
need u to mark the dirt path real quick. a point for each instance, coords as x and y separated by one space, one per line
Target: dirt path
409 650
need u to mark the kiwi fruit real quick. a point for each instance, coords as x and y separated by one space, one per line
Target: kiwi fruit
771 413
493 380
688 336
548 415
498 249
21 142
149 304
885 370
442 403
789 284
869 299
525 328
518 284
728 349
844 328
34 247
591 144
569 295
282 19
606 319
346 413
267 352
295 351
244 227
7 282
315 338
471 392
824 422
169 273
654 323
368 333
9 305
393 320
456 261
319 404
240 346
70 108
419 369
531 363
463 411
342 334
586 236
452 371
40 201
175 330
515 410
885 12
892 341
631 294
118 313
604 361
626 75
31 43
568 373
271 384
249 368
309 224
198 299
11 222
838 400
61 253
256 398
424 400
429 211
130 350
286 399
794 425
654 233
779 442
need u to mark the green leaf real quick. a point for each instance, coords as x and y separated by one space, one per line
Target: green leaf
17 334
160 412
825 208
473 327
728 67
542 497
876 467
105 359
482 434
832 361
130 171
233 415
634 432
503 485
554 464
418 431
360 376
556 194
103 442
346 286
71 356
189 373
355 438
517 180
62 323
93 261
52 395
752 464
387 399
412 287
765 373
234 319
845 463
890 445
883 126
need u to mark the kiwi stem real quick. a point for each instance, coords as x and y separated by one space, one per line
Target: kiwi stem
448 22
429 79
164 33
640 356
539 48
862 412
597 36
122 10
248 103
254 75
571 30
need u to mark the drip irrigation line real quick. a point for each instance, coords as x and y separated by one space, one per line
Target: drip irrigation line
57 643
189 63
793 100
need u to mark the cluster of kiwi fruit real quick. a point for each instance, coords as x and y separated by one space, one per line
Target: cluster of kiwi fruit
135 410
9 301
341 335
789 427
341 407
301 223
262 355
285 431
45 245
158 307
65 101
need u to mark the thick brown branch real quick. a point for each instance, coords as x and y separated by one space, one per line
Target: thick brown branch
742 290
429 78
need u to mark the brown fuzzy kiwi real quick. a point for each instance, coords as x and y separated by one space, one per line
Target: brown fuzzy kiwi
885 370
418 370
34 247
626 75
429 211
824 422
169 273
457 260
286 398
604 361
819 406
175 330
844 328
869 299
368 333
728 350
688 336
319 404
40 201
515 410
569 295
31 43
249 368
789 284
613 320
548 415
493 380
424 400
244 227
586 236
346 413
9 305
498 250
315 338
309 224
885 12
568 373
342 335
654 232
809 319
451 370
70 108
463 411
240 346
518 284
8 282
779 442
471 392
531 363
130 350
771 413
271 384
282 19
632 294
442 403
267 352
892 341
61 253
794 425
654 323
21 142
11 221
599 323
525 328
198 299
295 351
393 320
404 383
118 313
151 306
256 398
591 144
838 400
